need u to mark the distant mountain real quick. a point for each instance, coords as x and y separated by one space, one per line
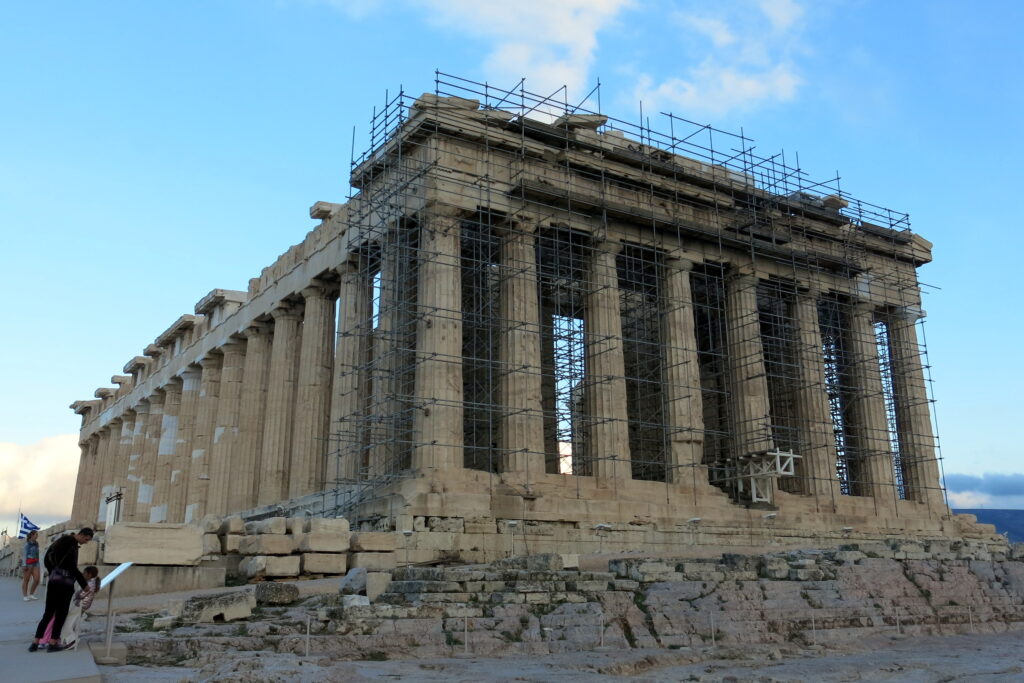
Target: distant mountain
1010 522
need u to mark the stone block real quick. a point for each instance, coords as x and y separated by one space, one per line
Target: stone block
230 543
208 609
322 542
160 544
88 554
269 565
211 544
324 563
272 525
296 525
355 601
354 582
232 525
210 524
372 561
271 593
327 525
267 544
570 561
377 583
372 541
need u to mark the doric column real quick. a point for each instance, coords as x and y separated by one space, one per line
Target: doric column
202 437
351 382
244 480
437 422
277 429
521 435
124 452
105 465
917 442
165 452
385 411
748 385
78 505
866 421
183 444
147 464
607 439
131 494
90 496
817 433
313 394
224 445
683 406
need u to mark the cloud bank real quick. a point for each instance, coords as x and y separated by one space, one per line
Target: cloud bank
989 490
40 477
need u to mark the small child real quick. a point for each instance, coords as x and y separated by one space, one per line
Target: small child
83 601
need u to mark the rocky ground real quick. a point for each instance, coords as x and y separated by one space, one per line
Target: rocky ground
988 657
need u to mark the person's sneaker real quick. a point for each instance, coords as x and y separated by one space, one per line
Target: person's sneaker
33 597
33 647
55 647
26 598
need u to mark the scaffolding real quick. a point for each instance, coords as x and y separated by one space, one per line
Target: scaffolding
565 179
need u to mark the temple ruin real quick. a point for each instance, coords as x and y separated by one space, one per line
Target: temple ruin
535 328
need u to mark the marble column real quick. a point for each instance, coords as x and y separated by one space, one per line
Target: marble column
224 446
313 393
817 433
521 434
245 478
607 439
108 456
350 376
437 422
181 474
124 453
384 426
165 452
131 496
749 418
147 464
867 424
683 407
202 437
78 506
921 478
277 428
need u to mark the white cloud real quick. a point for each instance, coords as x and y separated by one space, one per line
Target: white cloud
781 13
550 43
40 477
968 500
743 56
714 88
715 29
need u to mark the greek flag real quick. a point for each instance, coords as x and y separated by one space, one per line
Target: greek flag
25 526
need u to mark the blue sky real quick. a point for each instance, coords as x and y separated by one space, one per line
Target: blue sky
152 151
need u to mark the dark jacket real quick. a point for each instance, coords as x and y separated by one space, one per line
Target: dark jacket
64 554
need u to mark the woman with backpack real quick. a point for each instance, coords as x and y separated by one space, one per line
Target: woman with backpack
61 562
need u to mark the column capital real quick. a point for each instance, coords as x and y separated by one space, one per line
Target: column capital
173 384
608 245
232 346
286 312
142 407
909 314
210 360
157 398
316 290
256 329
679 262
189 372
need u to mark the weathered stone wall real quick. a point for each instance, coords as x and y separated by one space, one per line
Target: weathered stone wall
536 605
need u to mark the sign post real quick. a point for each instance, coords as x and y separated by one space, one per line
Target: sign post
108 580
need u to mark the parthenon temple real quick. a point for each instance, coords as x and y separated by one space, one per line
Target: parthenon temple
530 313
